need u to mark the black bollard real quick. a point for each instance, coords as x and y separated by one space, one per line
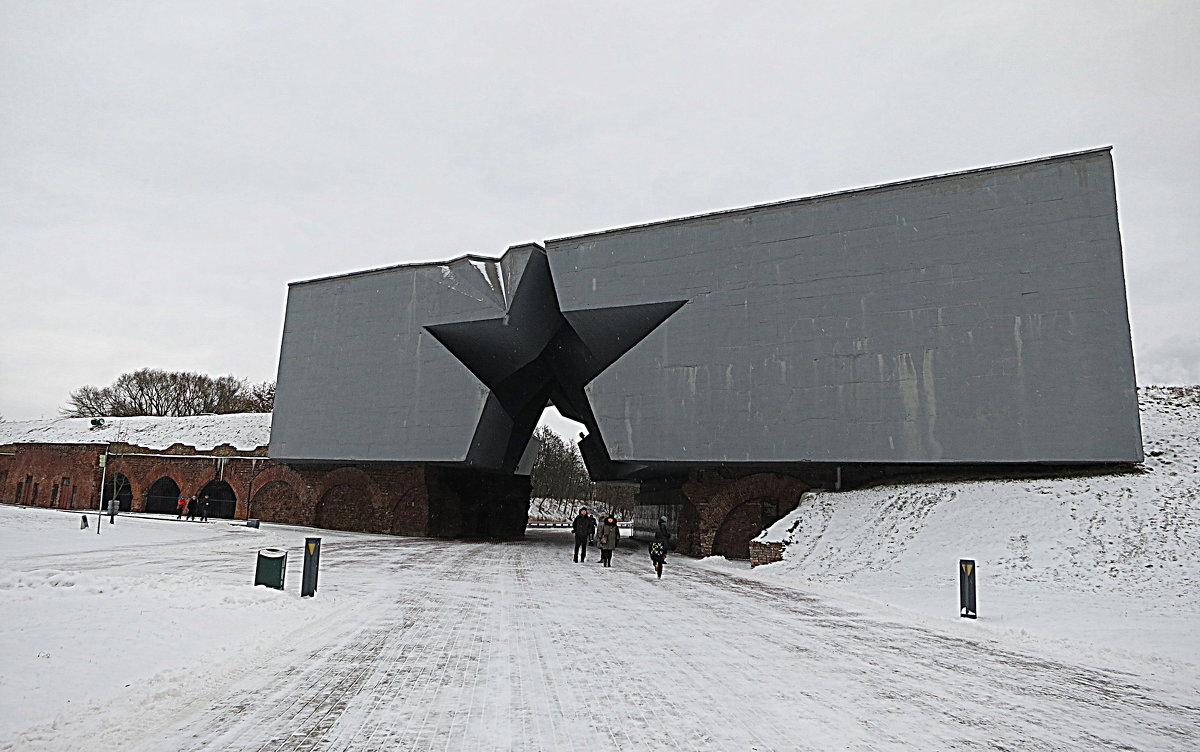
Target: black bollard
966 588
312 557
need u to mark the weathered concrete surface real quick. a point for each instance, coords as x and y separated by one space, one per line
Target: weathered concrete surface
974 318
419 363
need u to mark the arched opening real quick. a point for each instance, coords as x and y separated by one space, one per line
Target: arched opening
222 501
744 522
276 501
346 507
117 486
561 478
558 477
163 496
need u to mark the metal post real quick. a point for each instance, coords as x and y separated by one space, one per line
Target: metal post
966 588
103 478
312 557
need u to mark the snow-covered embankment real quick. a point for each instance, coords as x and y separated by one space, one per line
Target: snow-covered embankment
1108 560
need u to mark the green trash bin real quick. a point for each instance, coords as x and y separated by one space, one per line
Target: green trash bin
271 564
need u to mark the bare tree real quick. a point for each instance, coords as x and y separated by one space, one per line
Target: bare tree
87 402
262 397
559 475
155 392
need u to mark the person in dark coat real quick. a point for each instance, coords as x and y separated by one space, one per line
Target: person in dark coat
191 509
204 509
584 527
658 548
609 536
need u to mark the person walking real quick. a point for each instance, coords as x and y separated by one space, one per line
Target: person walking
658 548
609 536
181 506
584 527
191 507
204 509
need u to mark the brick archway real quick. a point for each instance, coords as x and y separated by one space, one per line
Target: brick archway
716 498
120 486
280 494
222 498
345 476
412 496
280 473
275 501
346 500
161 496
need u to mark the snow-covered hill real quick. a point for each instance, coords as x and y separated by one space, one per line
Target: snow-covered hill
1111 559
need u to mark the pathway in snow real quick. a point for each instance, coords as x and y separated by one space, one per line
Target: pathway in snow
484 647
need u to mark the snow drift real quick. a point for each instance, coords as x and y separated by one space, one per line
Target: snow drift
1092 549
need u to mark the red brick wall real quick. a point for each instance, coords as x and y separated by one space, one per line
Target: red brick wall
45 465
719 507
396 499
6 460
765 553
281 493
743 522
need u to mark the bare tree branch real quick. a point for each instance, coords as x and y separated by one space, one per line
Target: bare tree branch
559 475
175 393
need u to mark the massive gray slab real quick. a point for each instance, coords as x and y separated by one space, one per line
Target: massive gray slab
975 317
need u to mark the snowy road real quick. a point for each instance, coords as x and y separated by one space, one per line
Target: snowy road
438 645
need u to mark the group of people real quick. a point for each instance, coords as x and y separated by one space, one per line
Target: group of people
584 528
193 507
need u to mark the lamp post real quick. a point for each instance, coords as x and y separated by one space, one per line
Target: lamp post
103 479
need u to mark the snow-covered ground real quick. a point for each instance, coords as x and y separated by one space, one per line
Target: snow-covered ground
149 636
1094 562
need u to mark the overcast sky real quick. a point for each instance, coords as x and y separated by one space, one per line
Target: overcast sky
167 168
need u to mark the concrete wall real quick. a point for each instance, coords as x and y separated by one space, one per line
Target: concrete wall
419 363
360 378
977 317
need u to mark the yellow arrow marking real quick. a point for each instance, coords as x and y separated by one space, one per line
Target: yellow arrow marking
968 567
311 547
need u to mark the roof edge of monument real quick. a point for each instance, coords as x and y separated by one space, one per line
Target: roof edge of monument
833 194
415 264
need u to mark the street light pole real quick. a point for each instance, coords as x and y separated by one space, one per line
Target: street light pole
103 478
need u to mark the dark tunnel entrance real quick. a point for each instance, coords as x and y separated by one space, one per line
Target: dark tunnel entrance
222 501
118 487
163 496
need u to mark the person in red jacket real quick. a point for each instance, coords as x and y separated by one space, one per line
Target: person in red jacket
182 505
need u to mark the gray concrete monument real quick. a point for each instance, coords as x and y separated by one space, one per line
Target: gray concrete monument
970 319
978 317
